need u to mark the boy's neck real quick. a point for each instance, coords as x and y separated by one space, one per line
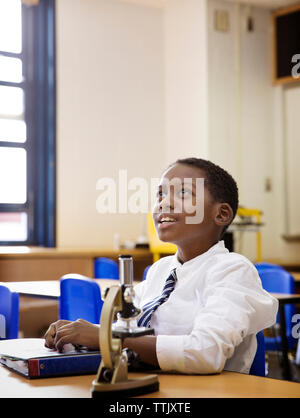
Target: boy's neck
188 253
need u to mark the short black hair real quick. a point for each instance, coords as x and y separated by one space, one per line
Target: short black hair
219 183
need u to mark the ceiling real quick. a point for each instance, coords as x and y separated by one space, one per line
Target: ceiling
269 4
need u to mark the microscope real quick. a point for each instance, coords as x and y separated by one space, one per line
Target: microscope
112 377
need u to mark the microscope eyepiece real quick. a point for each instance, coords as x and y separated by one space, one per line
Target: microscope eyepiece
126 270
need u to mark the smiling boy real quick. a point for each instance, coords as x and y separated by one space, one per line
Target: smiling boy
205 304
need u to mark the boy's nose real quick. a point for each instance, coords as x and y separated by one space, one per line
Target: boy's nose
167 203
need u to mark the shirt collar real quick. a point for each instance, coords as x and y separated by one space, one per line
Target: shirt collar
219 247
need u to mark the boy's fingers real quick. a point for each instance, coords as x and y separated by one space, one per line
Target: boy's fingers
49 336
63 336
52 331
66 339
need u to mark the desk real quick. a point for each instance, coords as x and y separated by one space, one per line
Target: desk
224 385
39 303
48 289
296 275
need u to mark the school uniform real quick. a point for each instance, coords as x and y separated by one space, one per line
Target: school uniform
210 320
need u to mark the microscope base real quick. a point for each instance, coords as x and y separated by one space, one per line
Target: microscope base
131 387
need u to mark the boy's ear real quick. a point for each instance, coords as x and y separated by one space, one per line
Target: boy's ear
224 214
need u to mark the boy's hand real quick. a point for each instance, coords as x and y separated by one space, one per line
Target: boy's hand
79 332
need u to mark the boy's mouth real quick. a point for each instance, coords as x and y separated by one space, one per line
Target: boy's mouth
165 221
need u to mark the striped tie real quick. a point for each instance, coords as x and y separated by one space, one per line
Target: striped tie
150 307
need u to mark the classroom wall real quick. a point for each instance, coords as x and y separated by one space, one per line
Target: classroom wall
162 83
253 128
219 99
240 111
241 124
110 112
286 150
186 79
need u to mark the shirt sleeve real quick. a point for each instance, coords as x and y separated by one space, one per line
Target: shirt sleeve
234 306
138 291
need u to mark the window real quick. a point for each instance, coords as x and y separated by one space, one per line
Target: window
27 123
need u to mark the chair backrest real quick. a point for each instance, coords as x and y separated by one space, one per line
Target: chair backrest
9 313
278 280
105 268
80 297
145 272
258 367
263 265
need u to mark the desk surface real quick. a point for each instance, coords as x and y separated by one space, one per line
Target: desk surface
224 385
171 386
296 275
49 289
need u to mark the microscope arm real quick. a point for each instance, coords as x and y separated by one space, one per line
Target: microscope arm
109 345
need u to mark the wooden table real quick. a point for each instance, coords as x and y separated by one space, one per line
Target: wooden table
48 289
39 303
224 385
296 275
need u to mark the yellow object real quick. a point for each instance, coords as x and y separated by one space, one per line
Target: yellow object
157 247
257 214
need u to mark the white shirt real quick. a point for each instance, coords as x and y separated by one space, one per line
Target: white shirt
210 321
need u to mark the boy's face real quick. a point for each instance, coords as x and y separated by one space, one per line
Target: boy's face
185 212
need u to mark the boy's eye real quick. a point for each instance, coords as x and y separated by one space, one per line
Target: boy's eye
184 192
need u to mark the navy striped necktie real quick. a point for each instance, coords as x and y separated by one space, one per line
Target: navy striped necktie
150 307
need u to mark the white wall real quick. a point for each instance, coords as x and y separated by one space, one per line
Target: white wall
110 111
139 87
240 111
186 83
219 99
264 143
222 92
286 141
291 97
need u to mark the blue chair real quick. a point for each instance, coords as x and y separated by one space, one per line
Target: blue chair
258 367
145 272
277 280
80 298
9 313
105 268
263 265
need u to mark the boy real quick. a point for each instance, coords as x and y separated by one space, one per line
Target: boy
208 312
